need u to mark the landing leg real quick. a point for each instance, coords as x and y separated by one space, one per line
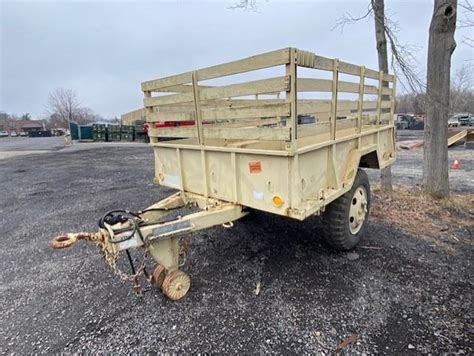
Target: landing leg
173 282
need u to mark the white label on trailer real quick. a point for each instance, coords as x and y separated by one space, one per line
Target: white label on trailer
257 195
172 181
128 243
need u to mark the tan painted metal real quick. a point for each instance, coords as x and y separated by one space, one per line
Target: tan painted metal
262 143
307 165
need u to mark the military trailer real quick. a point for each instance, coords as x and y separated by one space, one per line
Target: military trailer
292 141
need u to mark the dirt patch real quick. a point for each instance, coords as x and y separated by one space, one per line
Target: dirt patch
440 221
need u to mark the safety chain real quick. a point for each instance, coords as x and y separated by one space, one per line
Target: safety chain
111 259
185 243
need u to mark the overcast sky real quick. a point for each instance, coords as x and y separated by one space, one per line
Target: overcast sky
104 49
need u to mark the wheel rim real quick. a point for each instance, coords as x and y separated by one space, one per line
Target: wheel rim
176 285
158 276
358 210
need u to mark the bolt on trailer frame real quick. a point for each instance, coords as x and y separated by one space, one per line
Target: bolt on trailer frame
288 144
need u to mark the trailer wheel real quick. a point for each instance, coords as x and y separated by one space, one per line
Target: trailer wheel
345 219
158 276
176 285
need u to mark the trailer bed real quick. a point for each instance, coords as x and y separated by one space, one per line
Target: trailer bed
287 144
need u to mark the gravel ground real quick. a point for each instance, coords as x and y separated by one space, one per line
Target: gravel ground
396 292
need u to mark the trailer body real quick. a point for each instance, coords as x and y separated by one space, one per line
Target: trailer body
284 132
288 144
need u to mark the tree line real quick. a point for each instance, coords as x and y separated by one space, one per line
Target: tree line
63 107
461 98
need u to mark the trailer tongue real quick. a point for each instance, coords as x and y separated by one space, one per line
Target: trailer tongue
120 230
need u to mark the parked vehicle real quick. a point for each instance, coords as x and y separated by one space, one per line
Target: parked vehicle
13 134
3 133
238 161
465 119
23 134
405 121
462 119
453 122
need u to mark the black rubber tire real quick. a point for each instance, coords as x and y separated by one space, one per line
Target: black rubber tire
336 217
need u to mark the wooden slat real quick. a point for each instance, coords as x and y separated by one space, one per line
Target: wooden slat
170 116
324 106
322 63
345 105
312 84
173 132
241 89
348 68
168 99
386 90
386 104
233 133
273 110
261 61
263 86
324 127
360 101
153 85
388 77
197 110
313 106
221 103
325 85
386 117
265 60
181 88
251 133
292 95
372 104
371 89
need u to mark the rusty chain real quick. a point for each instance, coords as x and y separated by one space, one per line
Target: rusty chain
185 243
111 259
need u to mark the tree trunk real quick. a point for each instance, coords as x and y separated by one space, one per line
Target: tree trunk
440 48
379 19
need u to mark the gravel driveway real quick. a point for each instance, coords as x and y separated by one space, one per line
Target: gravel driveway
396 292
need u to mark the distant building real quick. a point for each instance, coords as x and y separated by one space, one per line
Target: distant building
22 125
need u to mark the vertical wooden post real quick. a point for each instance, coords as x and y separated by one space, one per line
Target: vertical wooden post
148 111
197 108
292 96
392 104
361 99
335 75
379 99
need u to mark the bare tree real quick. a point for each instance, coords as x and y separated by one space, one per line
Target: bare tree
245 5
378 7
461 96
440 48
64 102
26 116
402 57
403 60
467 20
